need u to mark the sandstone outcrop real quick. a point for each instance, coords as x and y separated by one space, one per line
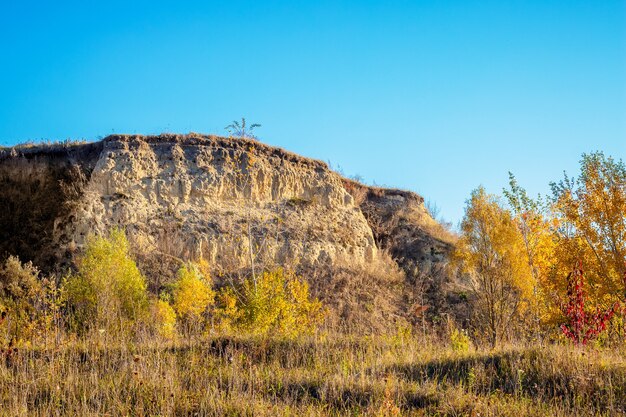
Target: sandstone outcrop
236 202
182 196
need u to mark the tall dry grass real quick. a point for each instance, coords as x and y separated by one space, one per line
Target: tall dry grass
317 376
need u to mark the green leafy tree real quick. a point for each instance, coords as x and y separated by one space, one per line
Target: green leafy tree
533 220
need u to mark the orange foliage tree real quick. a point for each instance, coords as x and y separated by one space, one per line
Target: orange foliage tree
591 212
491 252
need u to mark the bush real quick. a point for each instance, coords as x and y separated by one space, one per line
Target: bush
582 325
228 311
192 293
164 319
81 301
275 303
459 340
20 290
108 289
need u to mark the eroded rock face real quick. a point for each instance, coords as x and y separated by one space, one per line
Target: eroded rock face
402 225
40 189
235 202
186 196
418 244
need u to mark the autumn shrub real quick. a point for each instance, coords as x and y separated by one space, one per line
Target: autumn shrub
163 319
459 340
192 294
582 325
81 303
227 312
20 291
275 302
108 291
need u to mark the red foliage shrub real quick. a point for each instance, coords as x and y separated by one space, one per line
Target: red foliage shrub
582 326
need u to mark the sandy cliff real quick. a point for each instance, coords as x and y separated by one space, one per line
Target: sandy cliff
186 196
183 196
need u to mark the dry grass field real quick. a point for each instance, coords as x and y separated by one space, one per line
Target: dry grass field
317 376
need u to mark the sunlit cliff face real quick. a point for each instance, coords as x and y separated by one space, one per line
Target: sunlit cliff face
223 199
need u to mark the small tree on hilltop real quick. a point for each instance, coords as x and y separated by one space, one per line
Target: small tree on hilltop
242 130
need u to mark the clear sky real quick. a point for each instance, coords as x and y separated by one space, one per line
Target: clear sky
433 96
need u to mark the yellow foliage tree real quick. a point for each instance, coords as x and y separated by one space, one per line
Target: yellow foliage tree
227 312
491 252
108 290
164 319
192 293
276 302
591 211
537 232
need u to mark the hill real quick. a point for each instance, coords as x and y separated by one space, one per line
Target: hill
237 203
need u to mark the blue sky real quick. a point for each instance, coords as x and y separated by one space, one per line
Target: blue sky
433 96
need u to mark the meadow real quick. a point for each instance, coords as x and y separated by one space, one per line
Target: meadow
321 375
